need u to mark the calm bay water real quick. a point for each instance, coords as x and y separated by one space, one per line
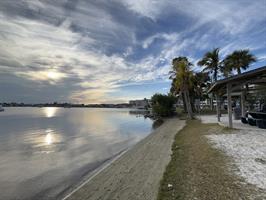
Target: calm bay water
46 151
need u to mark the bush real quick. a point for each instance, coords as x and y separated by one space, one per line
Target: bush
162 105
179 111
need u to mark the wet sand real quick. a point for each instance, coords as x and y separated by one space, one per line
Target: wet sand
137 173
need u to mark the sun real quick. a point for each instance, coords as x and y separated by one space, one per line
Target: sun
54 75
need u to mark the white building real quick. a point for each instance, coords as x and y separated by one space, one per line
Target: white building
140 104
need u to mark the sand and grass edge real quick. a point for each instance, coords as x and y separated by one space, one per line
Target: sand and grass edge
199 171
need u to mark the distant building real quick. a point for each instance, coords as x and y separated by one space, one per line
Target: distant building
140 104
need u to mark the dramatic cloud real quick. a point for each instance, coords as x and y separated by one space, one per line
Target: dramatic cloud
110 51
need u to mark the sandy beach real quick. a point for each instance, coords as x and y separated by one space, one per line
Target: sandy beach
137 173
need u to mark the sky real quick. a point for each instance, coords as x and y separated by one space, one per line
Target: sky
112 51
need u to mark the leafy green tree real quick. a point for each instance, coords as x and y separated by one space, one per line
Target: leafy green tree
211 63
239 59
176 91
162 105
182 81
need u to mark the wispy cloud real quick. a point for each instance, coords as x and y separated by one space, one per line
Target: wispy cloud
99 47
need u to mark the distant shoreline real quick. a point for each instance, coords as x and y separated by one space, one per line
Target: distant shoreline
68 105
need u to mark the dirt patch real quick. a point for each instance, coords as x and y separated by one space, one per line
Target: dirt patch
199 171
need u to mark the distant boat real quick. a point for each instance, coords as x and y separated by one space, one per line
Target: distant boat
1 109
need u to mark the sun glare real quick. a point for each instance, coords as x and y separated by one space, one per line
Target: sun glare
49 139
54 75
50 111
45 75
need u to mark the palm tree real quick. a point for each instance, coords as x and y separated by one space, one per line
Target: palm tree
176 91
211 62
182 80
239 59
225 69
201 83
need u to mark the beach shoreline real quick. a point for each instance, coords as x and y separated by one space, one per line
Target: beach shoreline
87 178
136 172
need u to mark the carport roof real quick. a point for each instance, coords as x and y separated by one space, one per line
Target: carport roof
256 76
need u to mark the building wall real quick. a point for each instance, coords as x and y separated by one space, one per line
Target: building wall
140 103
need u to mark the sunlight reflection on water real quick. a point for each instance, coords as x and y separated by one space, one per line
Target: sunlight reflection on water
57 146
43 139
49 138
50 111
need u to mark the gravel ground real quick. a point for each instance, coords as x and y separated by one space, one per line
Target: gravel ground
237 124
246 145
135 175
248 152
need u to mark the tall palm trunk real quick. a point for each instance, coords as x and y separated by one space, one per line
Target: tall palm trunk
188 104
184 101
211 103
215 74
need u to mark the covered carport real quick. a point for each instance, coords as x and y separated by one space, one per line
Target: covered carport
241 85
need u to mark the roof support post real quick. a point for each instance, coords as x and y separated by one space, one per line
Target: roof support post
218 107
229 105
243 103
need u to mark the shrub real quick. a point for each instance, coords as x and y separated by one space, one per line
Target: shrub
179 111
162 105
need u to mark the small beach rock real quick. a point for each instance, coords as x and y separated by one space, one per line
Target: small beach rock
260 160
